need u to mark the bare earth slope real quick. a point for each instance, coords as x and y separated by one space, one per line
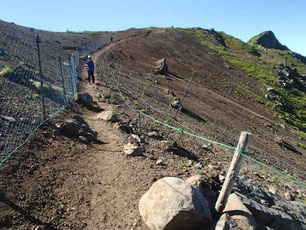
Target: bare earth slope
59 183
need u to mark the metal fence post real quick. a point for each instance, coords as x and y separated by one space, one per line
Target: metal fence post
38 41
185 93
181 103
71 77
63 81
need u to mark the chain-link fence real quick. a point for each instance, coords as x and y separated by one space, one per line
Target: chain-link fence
36 80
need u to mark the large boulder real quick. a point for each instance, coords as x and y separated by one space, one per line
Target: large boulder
241 215
174 204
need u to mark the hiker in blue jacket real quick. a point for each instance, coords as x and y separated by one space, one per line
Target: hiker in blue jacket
91 69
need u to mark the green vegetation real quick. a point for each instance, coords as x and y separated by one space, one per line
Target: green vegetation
290 102
253 40
237 44
5 71
301 145
91 32
168 122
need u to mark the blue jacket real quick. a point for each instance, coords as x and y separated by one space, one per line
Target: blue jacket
90 65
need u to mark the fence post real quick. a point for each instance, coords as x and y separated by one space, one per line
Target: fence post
232 174
181 103
38 41
139 122
71 77
61 72
185 93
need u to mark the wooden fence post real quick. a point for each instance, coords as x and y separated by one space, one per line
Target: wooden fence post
233 171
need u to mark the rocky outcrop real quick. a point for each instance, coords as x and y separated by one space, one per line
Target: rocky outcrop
270 210
174 204
268 40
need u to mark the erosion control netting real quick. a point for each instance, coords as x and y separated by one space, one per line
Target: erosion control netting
151 101
28 96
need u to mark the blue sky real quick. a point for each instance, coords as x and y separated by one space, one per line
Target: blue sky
240 18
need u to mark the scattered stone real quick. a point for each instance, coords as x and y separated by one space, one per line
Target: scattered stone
161 66
159 162
77 127
84 140
137 138
132 150
99 96
9 119
207 147
87 100
108 116
289 196
125 127
240 214
272 90
98 84
189 163
175 103
173 204
154 134
198 165
272 190
214 167
226 222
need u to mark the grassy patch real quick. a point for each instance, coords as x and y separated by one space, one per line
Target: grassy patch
168 122
301 145
5 71
237 44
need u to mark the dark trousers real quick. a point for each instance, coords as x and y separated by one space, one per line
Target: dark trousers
91 75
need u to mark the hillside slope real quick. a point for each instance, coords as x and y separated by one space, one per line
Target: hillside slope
57 182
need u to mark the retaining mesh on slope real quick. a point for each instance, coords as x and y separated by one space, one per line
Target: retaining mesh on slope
21 93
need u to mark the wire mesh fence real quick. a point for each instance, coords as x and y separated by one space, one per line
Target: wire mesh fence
152 102
35 82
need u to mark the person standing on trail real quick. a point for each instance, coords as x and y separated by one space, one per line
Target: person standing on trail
90 65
